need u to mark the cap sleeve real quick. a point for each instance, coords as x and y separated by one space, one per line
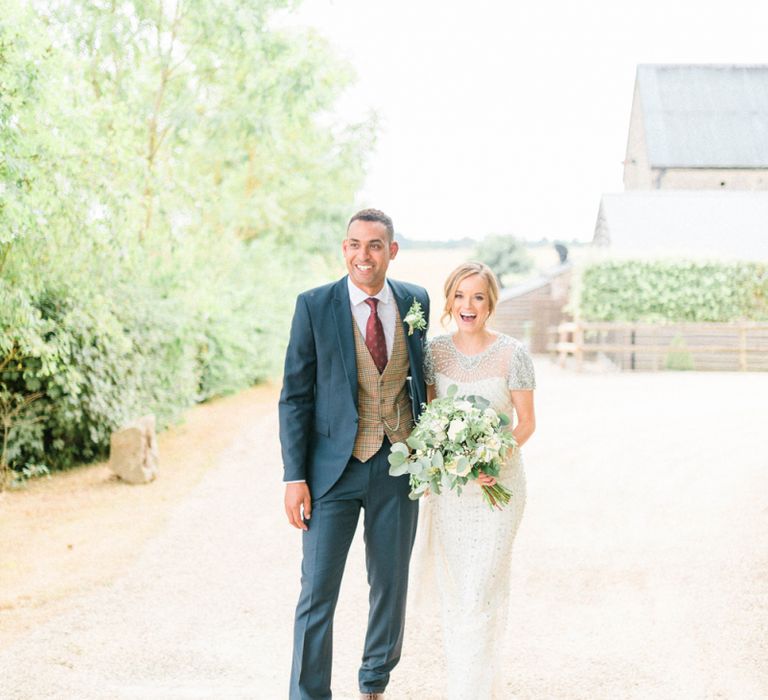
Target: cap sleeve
521 373
429 365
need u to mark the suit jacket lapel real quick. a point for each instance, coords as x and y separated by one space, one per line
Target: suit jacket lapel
342 314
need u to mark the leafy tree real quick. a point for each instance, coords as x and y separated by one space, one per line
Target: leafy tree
171 173
505 255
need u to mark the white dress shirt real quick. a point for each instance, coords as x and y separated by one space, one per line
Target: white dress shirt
385 308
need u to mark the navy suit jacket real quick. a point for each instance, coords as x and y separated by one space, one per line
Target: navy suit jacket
318 402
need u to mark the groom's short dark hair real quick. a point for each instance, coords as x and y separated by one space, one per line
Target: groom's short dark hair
375 215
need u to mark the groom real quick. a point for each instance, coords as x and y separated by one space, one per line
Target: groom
352 386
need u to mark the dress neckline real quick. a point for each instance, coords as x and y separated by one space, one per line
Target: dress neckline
476 355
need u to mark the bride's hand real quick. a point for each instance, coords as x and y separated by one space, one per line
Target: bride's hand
484 480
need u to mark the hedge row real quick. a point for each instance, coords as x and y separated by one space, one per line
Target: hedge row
75 364
631 290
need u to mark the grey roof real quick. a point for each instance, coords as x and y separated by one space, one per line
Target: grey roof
705 116
685 223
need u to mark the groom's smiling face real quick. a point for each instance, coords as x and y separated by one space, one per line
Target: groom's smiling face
367 252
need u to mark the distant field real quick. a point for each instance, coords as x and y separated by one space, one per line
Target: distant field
429 268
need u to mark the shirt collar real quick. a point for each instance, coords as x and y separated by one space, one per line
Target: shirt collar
358 296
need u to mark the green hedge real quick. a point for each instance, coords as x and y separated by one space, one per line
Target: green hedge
631 290
99 359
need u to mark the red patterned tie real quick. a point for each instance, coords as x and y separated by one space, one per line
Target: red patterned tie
374 336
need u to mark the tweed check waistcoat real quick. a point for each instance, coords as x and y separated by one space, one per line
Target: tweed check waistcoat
383 404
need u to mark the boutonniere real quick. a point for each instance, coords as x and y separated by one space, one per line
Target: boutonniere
415 318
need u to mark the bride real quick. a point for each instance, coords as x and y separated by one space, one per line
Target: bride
470 545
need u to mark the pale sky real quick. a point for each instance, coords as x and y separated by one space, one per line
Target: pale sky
512 117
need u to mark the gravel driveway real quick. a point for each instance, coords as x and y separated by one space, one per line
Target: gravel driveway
640 570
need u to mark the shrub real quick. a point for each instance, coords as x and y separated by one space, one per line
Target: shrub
505 255
631 290
94 360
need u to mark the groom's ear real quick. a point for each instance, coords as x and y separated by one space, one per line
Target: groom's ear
393 248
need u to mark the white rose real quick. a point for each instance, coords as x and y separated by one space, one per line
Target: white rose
437 426
493 443
482 453
456 427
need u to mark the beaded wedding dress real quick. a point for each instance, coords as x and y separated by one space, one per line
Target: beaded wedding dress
468 546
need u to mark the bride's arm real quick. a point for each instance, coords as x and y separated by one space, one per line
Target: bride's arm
526 424
430 392
526 417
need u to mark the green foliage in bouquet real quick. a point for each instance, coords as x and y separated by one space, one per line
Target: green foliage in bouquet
455 438
632 290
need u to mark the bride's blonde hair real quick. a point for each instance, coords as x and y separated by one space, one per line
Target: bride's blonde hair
461 273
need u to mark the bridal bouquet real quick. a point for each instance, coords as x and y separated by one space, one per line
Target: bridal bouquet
454 438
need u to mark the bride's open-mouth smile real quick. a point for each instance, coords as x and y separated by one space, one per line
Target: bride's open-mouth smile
470 309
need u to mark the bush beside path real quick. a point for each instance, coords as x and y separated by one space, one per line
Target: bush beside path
640 570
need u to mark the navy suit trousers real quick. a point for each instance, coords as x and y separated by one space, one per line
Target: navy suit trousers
390 528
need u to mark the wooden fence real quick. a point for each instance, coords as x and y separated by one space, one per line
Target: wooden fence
646 346
529 309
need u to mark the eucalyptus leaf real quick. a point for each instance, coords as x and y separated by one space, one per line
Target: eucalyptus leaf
416 443
479 401
400 448
400 469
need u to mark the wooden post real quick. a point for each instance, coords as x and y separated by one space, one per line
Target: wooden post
578 339
562 337
729 342
742 347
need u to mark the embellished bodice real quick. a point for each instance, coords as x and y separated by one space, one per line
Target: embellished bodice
503 366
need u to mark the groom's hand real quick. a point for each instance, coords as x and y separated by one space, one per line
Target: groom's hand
297 498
